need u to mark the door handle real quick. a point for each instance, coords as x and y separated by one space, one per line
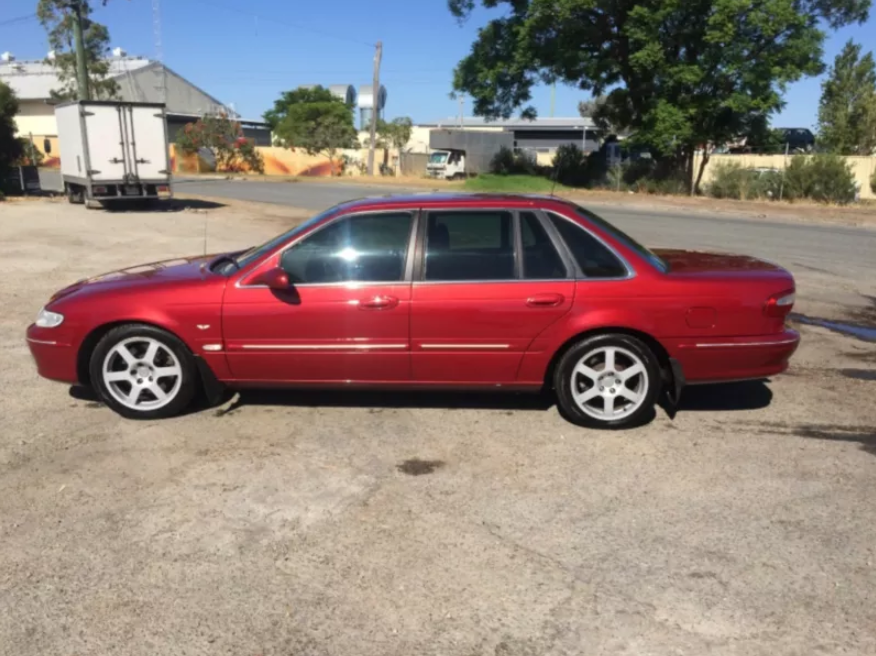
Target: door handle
545 300
379 303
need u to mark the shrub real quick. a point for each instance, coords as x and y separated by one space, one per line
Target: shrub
873 182
730 180
30 154
570 165
823 178
225 140
507 162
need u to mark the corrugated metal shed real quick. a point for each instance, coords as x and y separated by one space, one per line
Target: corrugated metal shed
34 80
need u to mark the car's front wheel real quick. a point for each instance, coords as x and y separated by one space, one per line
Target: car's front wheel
143 372
607 381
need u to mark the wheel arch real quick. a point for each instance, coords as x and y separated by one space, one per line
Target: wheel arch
650 341
86 348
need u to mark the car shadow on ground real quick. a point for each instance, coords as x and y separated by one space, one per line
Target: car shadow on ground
168 205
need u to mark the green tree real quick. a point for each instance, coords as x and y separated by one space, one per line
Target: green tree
680 74
10 145
314 120
225 140
393 134
847 111
57 19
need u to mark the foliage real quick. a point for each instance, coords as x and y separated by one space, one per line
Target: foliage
515 183
847 111
10 146
873 182
762 139
570 164
731 180
823 178
678 74
393 134
597 110
315 120
508 162
57 19
30 154
224 138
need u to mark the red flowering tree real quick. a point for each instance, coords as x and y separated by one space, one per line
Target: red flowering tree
224 138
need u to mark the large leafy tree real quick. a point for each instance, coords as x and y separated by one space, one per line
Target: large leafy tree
847 112
679 74
314 120
56 17
224 138
10 146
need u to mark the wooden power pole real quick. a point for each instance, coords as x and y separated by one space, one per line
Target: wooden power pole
375 93
82 90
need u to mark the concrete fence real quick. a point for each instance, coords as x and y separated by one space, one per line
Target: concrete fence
862 167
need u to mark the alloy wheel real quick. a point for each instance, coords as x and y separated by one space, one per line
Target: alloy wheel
609 383
142 373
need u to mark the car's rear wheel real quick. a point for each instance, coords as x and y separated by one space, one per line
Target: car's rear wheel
607 381
143 372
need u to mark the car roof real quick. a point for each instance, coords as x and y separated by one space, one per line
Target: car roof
431 199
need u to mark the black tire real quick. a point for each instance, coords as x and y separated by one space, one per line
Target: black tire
75 194
649 391
182 392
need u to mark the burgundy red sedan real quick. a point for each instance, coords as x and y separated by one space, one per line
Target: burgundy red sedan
467 292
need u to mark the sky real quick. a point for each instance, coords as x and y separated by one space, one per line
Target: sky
245 52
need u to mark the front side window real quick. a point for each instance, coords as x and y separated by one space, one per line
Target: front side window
541 261
470 245
594 259
361 248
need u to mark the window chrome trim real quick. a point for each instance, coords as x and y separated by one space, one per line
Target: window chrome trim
319 347
501 281
579 274
412 212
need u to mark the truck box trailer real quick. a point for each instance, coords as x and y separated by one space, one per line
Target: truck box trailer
458 153
112 151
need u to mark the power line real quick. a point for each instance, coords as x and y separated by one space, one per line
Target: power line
20 19
274 20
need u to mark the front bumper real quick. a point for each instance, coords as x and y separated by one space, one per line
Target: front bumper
723 359
53 353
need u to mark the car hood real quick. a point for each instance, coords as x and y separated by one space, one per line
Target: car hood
680 261
178 270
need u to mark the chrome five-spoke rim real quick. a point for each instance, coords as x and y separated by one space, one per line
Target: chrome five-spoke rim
141 373
609 383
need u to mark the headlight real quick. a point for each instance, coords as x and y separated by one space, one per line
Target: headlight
46 319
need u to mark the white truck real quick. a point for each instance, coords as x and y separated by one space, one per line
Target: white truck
113 151
458 153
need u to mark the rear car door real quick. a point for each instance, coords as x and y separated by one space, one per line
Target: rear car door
488 282
346 315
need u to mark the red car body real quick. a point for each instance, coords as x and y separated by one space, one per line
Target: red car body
713 316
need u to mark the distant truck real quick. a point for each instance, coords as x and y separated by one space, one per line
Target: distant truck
113 151
458 153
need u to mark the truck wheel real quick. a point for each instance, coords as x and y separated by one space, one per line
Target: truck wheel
93 205
75 194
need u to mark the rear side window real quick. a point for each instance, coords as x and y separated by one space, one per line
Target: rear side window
541 261
594 258
469 245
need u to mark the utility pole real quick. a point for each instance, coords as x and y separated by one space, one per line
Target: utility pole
375 93
82 90
461 119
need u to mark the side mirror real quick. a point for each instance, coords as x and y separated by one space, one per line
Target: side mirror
275 279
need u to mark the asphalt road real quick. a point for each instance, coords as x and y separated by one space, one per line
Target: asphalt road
836 251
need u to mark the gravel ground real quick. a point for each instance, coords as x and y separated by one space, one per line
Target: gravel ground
374 524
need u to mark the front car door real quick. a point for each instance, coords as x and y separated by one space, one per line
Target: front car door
488 282
345 318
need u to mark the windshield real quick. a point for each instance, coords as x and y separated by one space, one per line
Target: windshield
624 238
437 158
255 253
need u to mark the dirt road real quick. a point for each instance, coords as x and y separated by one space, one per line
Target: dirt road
319 523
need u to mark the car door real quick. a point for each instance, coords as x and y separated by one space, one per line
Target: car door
488 282
346 315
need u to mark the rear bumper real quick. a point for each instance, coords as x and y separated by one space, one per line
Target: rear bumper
722 359
54 355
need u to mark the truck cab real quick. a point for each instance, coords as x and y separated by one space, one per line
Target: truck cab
446 164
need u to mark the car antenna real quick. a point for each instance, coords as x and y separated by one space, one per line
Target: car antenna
205 234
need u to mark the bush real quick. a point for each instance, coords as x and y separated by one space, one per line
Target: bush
730 180
822 178
873 182
30 154
507 162
225 140
570 165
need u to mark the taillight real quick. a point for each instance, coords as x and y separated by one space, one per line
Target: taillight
779 305
99 190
